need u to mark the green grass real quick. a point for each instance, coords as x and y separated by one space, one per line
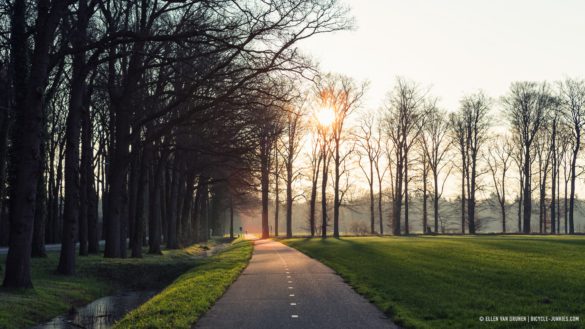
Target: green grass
96 276
450 282
192 294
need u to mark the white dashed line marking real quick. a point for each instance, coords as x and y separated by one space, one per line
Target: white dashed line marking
290 287
293 304
291 295
294 316
288 276
290 282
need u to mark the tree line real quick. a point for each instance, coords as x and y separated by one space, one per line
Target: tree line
139 121
520 150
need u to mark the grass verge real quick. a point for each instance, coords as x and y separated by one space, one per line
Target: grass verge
450 282
182 303
54 294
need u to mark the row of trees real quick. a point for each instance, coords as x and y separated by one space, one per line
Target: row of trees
538 139
149 113
521 149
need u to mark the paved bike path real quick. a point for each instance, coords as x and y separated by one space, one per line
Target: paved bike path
283 288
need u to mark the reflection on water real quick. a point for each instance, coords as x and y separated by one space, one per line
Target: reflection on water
101 313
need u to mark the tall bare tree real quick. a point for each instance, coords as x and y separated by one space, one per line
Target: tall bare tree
457 127
471 125
342 95
268 134
315 159
292 138
369 148
499 162
403 112
325 157
381 170
572 97
436 145
543 153
29 88
526 105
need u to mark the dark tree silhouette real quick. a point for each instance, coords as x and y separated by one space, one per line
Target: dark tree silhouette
526 105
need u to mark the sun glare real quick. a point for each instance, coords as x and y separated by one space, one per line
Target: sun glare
325 116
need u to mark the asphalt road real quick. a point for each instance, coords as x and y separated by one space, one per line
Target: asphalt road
283 288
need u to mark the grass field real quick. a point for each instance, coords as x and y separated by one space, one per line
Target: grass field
192 294
54 294
450 282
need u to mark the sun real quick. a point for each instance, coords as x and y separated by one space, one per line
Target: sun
325 116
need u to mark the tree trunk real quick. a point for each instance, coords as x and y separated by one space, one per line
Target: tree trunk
372 205
553 199
397 207
154 213
380 214
464 172
436 202
105 189
186 208
289 198
4 133
231 217
573 179
406 201
59 199
72 156
558 198
164 192
324 177
527 194
204 216
566 208
425 198
276 191
117 181
172 242
543 202
196 213
503 203
124 220
264 182
142 194
313 199
28 104
471 198
336 197
463 200
38 244
88 192
520 201
84 197
133 190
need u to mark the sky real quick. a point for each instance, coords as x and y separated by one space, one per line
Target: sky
455 47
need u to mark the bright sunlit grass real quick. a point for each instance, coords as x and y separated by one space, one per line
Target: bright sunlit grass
450 282
193 293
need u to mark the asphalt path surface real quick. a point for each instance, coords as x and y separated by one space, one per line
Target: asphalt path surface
283 288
